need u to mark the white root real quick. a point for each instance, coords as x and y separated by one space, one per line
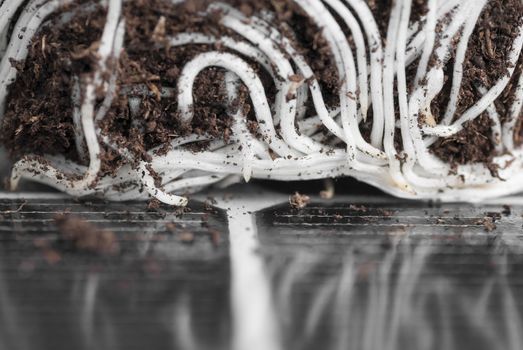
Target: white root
299 136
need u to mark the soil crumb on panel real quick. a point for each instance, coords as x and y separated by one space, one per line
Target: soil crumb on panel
299 201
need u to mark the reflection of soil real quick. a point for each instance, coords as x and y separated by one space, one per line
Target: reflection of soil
157 291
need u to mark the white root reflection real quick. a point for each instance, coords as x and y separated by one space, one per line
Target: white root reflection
357 299
395 302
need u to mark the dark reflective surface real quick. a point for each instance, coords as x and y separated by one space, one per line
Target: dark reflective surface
396 276
384 275
158 292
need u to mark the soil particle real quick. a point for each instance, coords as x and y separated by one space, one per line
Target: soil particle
299 201
154 204
488 223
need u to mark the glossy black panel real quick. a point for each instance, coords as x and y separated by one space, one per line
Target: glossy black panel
396 275
158 292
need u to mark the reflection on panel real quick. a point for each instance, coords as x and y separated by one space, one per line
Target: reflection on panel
166 286
396 276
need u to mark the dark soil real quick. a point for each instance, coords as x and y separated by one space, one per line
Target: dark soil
519 131
486 61
39 103
507 100
381 10
39 107
458 150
